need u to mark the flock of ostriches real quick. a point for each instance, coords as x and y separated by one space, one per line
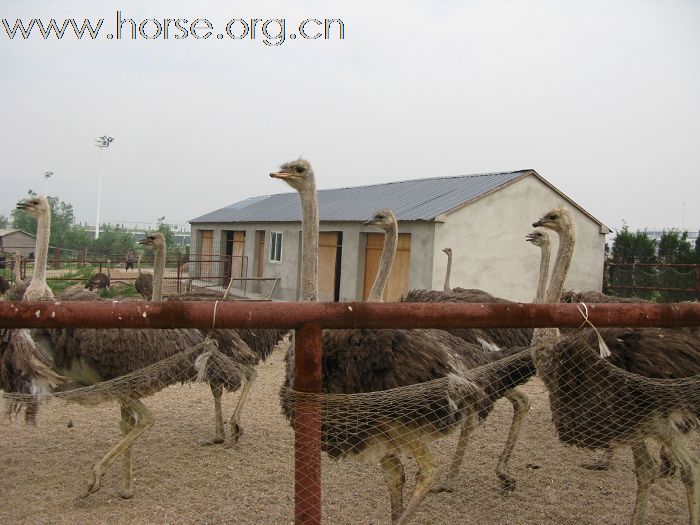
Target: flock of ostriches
636 393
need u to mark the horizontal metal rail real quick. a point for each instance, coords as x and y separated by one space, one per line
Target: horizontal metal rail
205 314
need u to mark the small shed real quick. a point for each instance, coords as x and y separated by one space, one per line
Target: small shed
16 241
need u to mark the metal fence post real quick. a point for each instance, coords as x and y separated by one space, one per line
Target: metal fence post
307 427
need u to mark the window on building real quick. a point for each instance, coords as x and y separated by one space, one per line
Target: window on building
275 246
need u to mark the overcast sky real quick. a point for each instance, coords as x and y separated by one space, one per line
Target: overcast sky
601 98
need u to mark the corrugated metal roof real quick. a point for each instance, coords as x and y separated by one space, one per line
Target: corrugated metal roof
411 200
9 231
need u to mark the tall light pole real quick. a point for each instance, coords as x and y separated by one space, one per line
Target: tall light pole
103 143
47 175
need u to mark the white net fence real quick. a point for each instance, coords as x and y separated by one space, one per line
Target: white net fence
410 432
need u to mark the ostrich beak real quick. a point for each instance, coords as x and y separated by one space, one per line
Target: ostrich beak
22 205
530 237
538 223
281 175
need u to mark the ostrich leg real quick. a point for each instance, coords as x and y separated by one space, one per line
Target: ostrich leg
521 406
219 437
426 477
236 428
144 420
690 471
449 484
127 423
645 470
395 478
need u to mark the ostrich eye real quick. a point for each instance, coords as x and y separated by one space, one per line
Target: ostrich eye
299 169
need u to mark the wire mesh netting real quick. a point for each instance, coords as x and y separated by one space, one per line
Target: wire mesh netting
662 283
374 439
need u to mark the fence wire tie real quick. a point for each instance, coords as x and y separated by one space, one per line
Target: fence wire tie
603 348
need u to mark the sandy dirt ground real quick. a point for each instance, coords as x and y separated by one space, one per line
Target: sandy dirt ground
43 470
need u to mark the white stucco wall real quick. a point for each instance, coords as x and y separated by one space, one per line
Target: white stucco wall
487 238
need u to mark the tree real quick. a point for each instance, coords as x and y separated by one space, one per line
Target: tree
4 222
674 247
170 241
697 248
113 242
631 247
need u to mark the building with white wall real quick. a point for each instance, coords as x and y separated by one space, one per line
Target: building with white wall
483 218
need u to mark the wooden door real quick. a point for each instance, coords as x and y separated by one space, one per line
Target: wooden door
207 253
238 249
259 260
398 277
329 244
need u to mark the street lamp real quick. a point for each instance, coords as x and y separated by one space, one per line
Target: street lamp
47 175
103 143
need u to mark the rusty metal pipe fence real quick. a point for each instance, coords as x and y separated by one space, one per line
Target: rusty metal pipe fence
309 319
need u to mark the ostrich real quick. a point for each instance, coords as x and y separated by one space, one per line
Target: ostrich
540 238
446 288
19 286
90 356
374 361
259 344
596 404
656 353
99 280
143 282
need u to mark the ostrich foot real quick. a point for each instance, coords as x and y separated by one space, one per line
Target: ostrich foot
126 492
507 482
94 484
448 485
596 464
236 433
211 441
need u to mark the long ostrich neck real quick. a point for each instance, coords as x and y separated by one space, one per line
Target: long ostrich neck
561 267
446 288
544 272
42 248
17 270
309 244
158 272
391 237
138 264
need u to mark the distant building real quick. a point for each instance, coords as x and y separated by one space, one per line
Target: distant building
483 218
16 241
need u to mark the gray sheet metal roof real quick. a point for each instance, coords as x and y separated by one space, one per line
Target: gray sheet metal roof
411 200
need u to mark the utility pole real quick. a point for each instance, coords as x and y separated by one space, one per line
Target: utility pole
103 143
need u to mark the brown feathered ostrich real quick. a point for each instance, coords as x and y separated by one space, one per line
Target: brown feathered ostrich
259 344
374 361
144 281
100 280
650 352
90 356
595 404
480 350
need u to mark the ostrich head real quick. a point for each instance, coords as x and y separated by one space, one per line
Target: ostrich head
448 251
297 173
558 220
35 206
383 219
154 240
538 237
